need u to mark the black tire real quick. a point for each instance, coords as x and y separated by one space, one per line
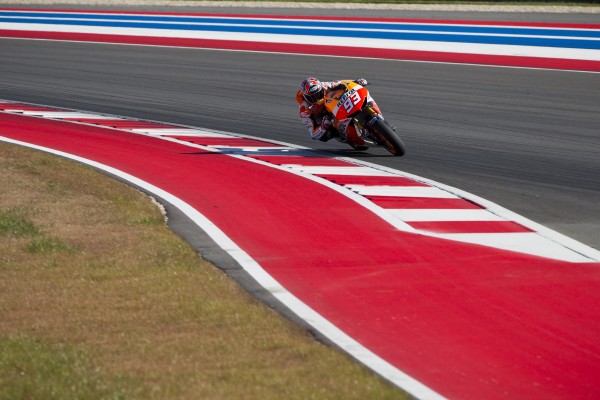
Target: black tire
388 138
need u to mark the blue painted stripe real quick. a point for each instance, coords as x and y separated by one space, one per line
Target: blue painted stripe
497 30
578 43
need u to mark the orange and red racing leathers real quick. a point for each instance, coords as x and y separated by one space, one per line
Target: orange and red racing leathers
312 114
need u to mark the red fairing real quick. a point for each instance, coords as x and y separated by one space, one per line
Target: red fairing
351 102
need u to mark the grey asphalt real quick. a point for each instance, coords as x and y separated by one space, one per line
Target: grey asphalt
528 140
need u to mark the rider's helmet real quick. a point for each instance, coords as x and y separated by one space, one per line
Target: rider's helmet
312 90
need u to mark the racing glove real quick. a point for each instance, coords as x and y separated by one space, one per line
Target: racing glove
362 81
326 123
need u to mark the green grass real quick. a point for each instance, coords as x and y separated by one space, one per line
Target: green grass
33 369
14 223
48 245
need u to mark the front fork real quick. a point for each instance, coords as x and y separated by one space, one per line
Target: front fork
366 118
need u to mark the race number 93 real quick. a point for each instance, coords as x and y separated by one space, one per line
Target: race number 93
352 100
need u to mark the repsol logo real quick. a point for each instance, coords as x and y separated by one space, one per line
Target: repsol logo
346 95
342 130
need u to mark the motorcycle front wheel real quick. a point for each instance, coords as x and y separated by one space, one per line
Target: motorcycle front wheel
388 138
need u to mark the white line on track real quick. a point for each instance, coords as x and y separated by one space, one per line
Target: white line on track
425 214
404 191
179 132
62 115
358 170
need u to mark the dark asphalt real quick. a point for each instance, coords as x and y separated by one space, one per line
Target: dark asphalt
528 140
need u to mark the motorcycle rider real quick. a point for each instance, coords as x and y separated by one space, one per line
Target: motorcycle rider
312 110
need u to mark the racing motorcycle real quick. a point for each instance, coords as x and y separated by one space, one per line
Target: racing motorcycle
359 124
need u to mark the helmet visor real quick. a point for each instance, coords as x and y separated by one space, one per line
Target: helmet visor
314 97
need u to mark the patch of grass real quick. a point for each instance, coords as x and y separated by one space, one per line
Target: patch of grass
108 302
33 369
14 223
146 220
48 245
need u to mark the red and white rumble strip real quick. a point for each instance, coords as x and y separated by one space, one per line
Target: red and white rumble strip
408 202
440 292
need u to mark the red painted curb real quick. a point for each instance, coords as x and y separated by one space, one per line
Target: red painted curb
468 321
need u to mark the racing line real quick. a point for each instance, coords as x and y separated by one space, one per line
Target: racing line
440 292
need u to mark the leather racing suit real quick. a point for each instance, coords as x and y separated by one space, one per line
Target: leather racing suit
312 115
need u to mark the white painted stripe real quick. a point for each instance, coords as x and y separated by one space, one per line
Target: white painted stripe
401 191
444 215
313 318
62 114
244 148
356 27
14 110
522 242
463 48
180 132
556 243
327 170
